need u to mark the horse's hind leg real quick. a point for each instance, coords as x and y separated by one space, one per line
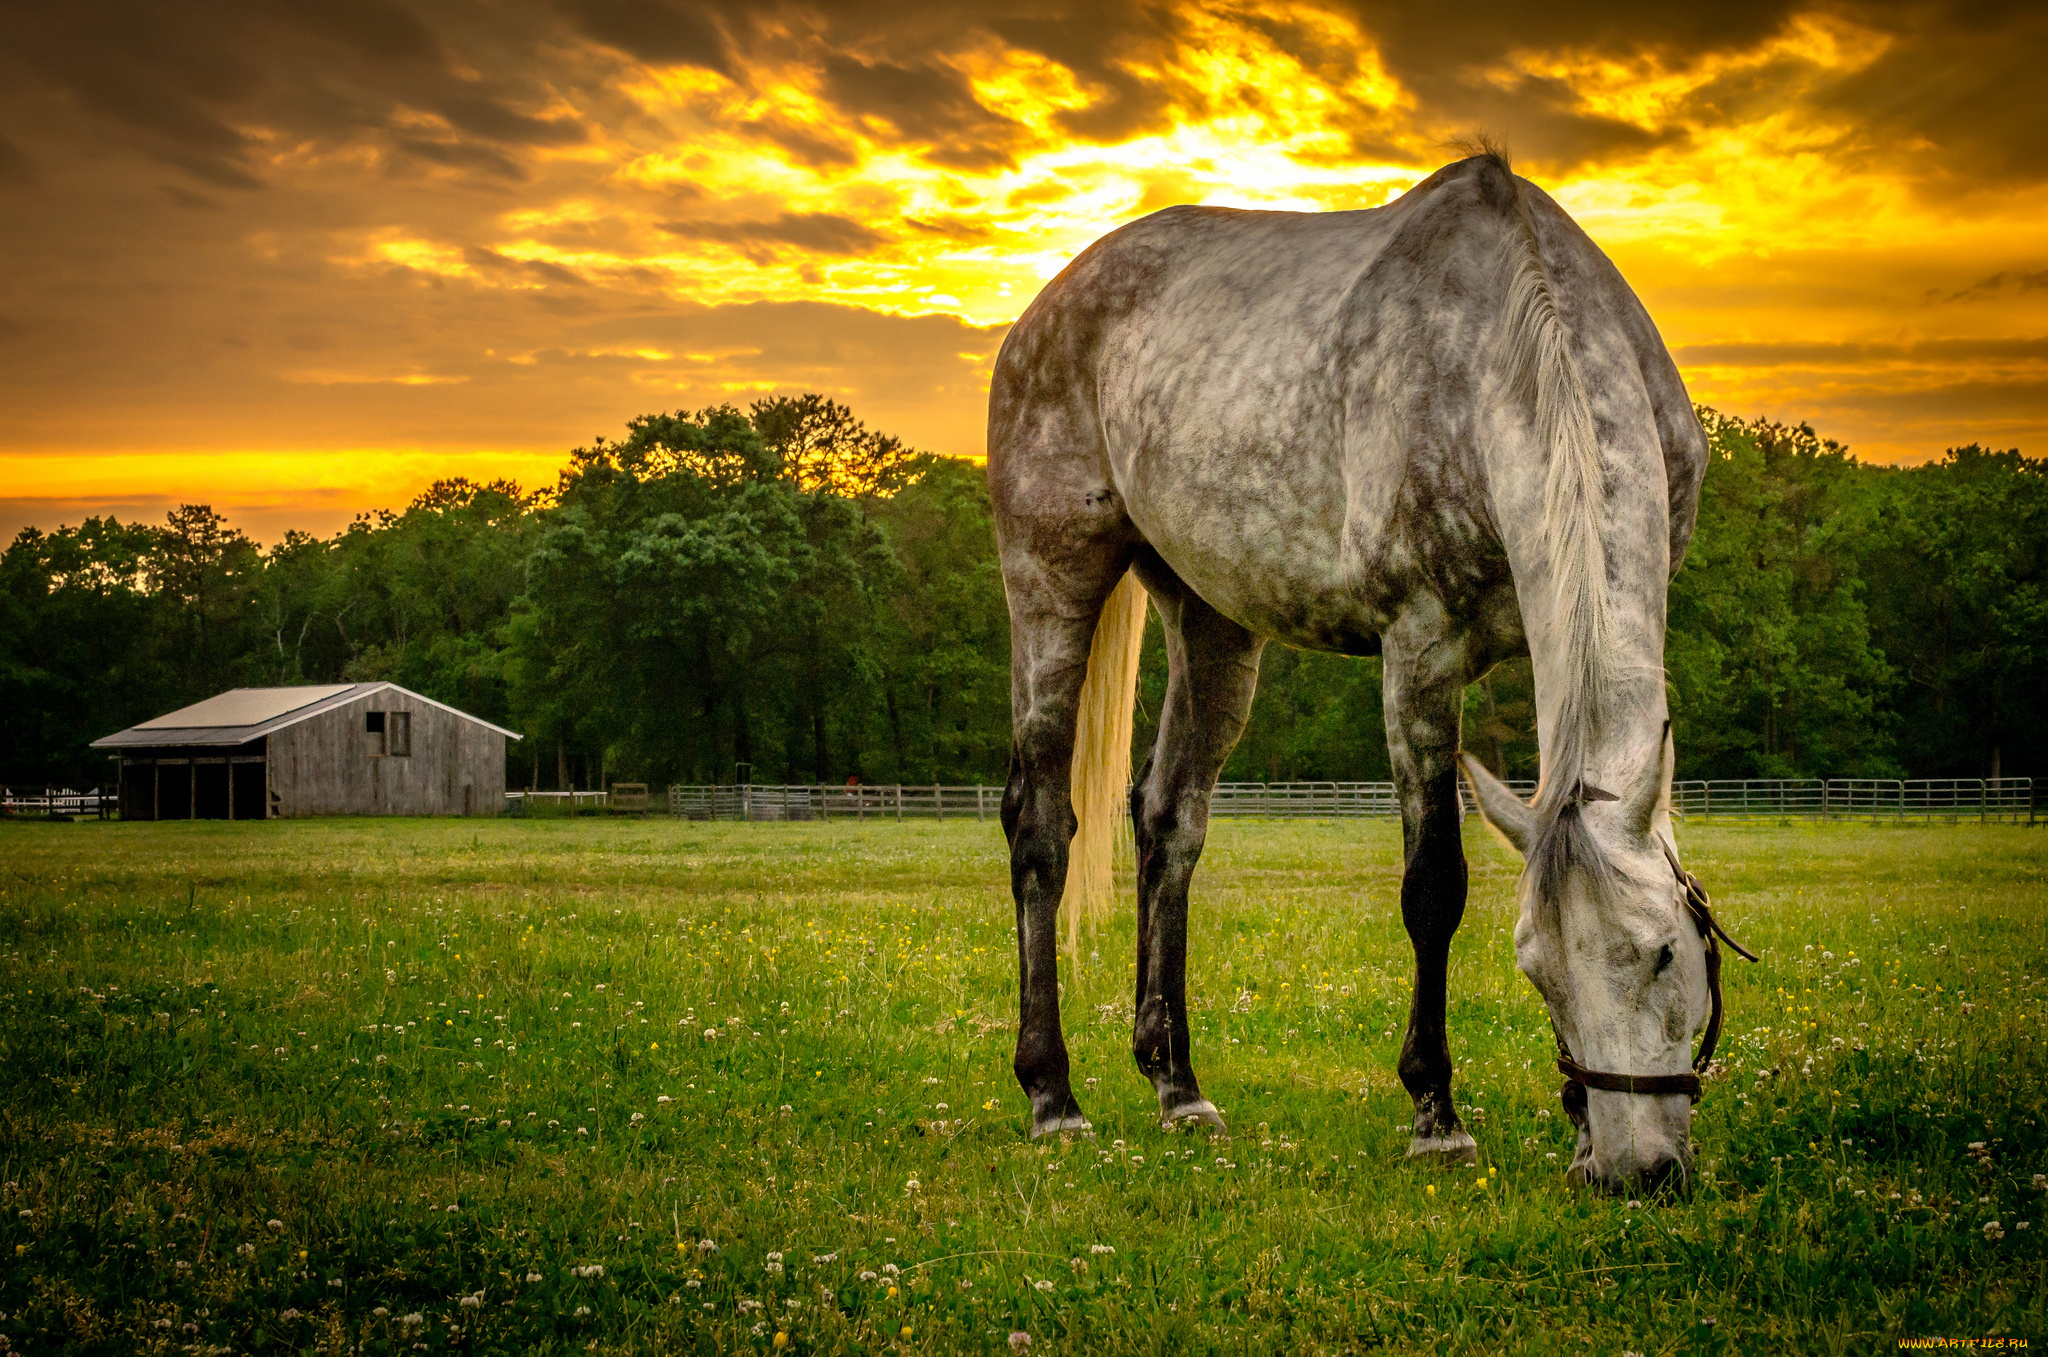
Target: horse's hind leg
1425 688
1212 674
1057 585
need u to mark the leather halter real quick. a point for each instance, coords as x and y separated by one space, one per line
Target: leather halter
1578 1078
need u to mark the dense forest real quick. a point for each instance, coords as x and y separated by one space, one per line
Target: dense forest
786 591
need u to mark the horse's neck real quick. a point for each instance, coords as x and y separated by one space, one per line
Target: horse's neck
1629 704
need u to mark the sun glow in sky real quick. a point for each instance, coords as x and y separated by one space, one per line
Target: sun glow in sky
297 265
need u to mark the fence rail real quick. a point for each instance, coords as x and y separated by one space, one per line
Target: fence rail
890 802
47 801
1876 799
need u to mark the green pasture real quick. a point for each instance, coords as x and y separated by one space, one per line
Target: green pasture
628 1086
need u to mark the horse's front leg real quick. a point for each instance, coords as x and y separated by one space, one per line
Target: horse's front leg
1425 684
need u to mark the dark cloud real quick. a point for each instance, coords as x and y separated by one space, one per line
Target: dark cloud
464 156
184 197
381 29
492 119
491 261
815 232
659 32
1960 94
923 104
1092 42
2010 280
15 166
805 145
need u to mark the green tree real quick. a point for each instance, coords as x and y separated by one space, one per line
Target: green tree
1768 655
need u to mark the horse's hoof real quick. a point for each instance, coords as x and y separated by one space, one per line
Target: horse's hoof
1073 1121
1445 1151
1199 1113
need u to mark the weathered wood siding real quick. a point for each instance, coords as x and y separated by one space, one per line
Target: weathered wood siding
327 765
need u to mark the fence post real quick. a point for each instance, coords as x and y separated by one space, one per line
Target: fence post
938 803
899 803
980 810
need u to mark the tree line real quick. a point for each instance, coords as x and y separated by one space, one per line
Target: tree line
786 594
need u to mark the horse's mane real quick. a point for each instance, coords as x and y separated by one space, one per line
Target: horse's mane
1544 371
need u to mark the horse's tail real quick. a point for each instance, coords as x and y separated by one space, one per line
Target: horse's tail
1102 756
1541 359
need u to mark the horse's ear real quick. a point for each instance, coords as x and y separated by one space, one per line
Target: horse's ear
1501 807
1652 790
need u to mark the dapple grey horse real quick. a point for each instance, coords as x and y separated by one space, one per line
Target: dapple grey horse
1442 431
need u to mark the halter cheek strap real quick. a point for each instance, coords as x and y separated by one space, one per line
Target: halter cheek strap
1578 1078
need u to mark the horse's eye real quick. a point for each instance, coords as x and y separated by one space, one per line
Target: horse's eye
1663 960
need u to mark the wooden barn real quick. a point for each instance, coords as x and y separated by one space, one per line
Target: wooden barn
335 749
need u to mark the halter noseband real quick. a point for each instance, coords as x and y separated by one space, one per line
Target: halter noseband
1578 1078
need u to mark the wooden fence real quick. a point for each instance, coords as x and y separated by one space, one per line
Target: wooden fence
1880 800
46 802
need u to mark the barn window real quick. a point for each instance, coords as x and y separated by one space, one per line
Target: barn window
398 734
373 732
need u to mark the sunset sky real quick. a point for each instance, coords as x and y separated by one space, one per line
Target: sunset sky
297 260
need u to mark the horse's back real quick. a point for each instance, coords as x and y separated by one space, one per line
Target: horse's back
1208 377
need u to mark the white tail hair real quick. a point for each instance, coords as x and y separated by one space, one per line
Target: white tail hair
1102 757
1540 357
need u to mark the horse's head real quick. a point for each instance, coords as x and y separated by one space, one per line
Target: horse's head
1606 937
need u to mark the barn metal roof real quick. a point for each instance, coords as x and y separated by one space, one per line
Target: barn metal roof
245 707
240 715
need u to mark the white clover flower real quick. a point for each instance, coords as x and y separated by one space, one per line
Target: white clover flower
246 1250
706 1246
824 1257
413 1321
892 1269
1993 1230
910 1185
582 1310
533 1276
1111 1248
1043 1285
1020 1341
472 1302
639 1116
381 1312
867 1276
664 1098
273 1224
711 1034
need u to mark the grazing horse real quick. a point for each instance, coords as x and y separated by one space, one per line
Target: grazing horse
1443 431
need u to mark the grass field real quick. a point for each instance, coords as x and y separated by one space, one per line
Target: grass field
639 1086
